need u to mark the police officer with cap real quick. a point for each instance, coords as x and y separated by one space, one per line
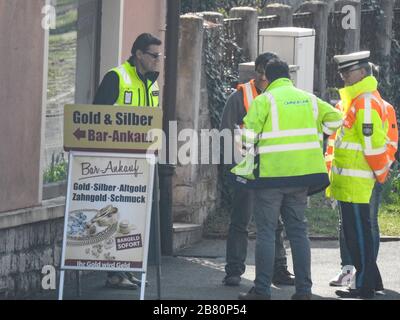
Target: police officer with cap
360 160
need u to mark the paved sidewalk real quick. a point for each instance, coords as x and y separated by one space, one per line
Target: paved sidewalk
196 274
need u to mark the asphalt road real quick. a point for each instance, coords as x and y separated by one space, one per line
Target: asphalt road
196 274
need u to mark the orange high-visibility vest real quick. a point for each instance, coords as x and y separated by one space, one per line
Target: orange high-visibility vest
378 160
331 144
249 93
393 131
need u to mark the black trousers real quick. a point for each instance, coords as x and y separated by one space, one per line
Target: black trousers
358 237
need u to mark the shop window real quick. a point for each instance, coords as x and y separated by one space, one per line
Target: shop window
72 44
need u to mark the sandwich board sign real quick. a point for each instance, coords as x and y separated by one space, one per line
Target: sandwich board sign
109 196
108 212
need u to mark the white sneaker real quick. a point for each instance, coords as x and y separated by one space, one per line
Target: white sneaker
344 278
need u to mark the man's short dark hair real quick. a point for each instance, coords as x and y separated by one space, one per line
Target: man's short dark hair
276 69
264 58
143 42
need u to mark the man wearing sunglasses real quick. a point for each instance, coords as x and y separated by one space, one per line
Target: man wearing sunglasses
134 83
360 160
346 275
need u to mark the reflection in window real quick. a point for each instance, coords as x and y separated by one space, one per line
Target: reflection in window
61 85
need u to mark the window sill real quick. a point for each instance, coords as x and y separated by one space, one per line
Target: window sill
49 210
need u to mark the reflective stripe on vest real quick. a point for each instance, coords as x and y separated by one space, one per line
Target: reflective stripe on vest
350 146
315 106
334 124
328 159
249 135
314 101
353 173
276 133
289 133
249 93
377 158
275 116
331 142
289 147
125 75
327 125
329 152
374 152
367 119
274 112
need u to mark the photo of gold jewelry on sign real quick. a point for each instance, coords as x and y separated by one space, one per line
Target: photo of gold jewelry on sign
90 226
124 228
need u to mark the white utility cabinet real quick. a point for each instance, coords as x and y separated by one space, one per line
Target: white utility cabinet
296 46
247 72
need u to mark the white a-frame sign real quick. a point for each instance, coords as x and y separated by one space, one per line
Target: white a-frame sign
109 199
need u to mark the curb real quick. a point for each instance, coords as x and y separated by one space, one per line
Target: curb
323 238
218 236
389 239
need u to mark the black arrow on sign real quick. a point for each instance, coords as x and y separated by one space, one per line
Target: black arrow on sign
79 134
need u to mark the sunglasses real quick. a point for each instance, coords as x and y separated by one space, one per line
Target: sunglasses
347 72
154 55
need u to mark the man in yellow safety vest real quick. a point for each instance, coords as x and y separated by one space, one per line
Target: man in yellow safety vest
236 108
133 84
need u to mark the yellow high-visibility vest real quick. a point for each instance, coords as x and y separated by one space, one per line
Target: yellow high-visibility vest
133 91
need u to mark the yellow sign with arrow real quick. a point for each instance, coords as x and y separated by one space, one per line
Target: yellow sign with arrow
112 129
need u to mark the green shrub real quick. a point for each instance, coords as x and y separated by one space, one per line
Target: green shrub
389 212
58 170
222 6
391 189
389 219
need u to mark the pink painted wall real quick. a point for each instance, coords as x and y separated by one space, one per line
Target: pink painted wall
21 81
144 16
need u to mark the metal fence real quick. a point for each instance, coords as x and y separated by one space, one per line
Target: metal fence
336 45
369 21
303 20
232 53
395 61
266 22
396 24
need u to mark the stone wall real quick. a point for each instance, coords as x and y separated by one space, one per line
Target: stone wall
194 185
24 251
25 248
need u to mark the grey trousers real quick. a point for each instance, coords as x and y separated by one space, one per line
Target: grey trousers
236 245
291 204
